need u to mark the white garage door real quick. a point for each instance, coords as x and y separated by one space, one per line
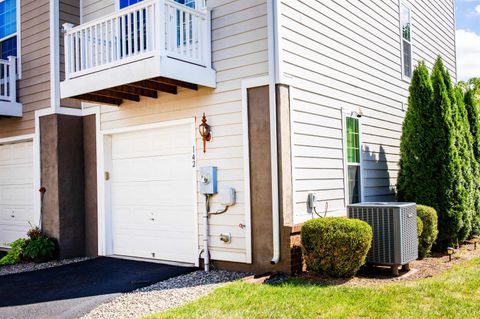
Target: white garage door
16 191
153 194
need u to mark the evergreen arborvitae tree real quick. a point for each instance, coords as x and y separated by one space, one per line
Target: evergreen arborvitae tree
471 107
452 196
417 167
467 161
438 166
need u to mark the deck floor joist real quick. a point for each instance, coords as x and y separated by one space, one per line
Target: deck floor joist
135 90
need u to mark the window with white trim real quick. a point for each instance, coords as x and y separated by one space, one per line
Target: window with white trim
406 31
353 160
8 28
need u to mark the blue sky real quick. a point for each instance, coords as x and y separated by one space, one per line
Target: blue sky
468 15
468 38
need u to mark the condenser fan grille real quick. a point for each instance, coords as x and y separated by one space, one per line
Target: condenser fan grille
394 227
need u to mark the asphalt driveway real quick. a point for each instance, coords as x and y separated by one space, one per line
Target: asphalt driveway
72 290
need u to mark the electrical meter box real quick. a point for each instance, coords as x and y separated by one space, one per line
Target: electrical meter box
208 180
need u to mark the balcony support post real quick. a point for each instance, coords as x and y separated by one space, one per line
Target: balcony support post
207 38
68 65
161 22
12 78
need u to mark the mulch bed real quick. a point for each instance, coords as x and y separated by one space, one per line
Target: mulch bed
425 268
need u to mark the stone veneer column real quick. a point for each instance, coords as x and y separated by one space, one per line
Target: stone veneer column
62 175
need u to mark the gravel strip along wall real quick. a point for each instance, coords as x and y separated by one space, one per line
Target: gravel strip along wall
164 295
25 267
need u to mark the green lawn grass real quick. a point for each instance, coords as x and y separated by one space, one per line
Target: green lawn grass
454 294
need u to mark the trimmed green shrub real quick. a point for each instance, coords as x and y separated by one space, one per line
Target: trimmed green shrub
14 255
335 247
40 248
429 219
419 228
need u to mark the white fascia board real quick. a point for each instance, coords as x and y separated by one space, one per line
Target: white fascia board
187 72
13 109
108 78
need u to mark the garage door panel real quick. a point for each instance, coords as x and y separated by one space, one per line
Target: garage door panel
10 233
140 253
153 194
16 191
157 142
155 229
155 235
20 214
152 168
16 195
166 217
16 174
165 248
170 151
16 153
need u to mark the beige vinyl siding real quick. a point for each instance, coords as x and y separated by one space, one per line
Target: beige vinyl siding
347 55
93 9
69 13
34 87
239 45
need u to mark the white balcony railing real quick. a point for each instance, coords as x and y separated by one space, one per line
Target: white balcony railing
8 80
147 29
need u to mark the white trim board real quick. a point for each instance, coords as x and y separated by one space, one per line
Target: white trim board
55 55
405 3
17 139
19 39
349 112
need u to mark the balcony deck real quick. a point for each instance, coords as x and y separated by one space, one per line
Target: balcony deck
9 107
153 46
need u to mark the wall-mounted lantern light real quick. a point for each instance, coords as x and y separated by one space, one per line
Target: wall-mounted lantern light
205 132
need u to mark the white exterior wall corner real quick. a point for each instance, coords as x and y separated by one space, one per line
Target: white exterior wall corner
346 55
239 54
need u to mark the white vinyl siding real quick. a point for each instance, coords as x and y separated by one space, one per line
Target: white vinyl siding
239 51
347 55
